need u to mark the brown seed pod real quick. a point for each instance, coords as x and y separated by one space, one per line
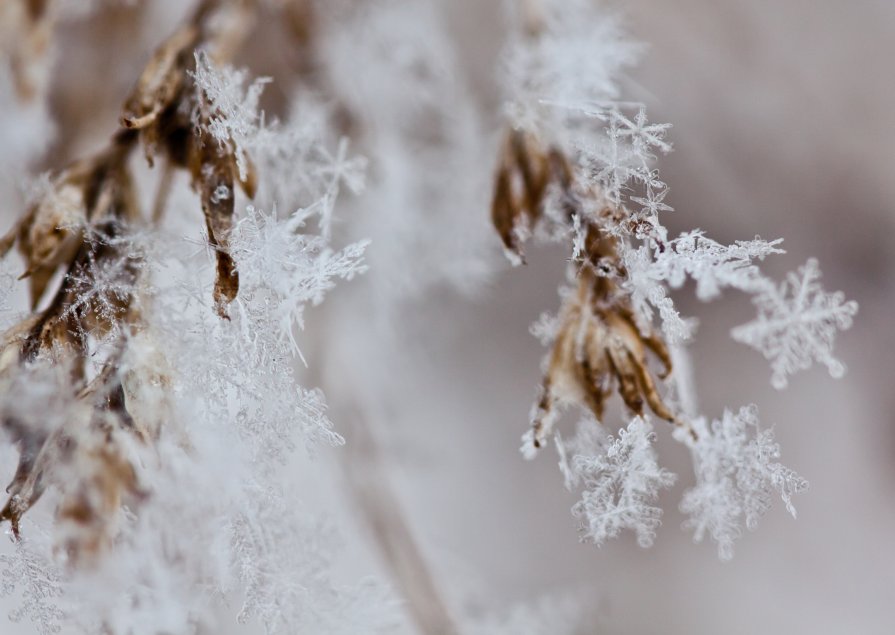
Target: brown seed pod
162 80
523 174
598 348
215 185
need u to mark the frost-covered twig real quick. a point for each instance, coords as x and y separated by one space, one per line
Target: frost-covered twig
577 167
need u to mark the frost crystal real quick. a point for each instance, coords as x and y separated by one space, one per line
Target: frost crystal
291 590
549 615
40 584
712 265
647 290
286 269
621 480
234 117
797 323
106 281
577 56
643 134
736 477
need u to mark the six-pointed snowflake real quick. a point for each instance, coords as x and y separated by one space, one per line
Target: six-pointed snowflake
797 323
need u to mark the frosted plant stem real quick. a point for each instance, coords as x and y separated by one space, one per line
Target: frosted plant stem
369 486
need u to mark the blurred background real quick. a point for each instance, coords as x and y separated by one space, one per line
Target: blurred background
783 127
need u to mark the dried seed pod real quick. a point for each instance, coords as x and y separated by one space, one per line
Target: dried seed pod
162 80
88 513
83 455
50 234
171 115
598 346
35 431
215 185
521 181
79 227
525 171
97 473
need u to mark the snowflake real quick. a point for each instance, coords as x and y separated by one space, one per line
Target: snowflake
568 614
7 284
612 163
654 201
647 290
102 286
284 270
291 590
621 479
235 117
342 168
711 264
590 439
643 134
574 60
40 584
796 324
736 477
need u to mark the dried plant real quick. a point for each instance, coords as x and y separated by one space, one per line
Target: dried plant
99 365
81 226
577 167
150 390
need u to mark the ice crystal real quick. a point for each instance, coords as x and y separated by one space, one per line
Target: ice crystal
576 56
234 114
621 481
286 269
40 584
7 283
549 615
293 591
712 265
736 477
102 286
797 323
647 291
644 135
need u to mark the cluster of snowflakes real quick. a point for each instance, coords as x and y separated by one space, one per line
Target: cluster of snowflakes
614 148
216 521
